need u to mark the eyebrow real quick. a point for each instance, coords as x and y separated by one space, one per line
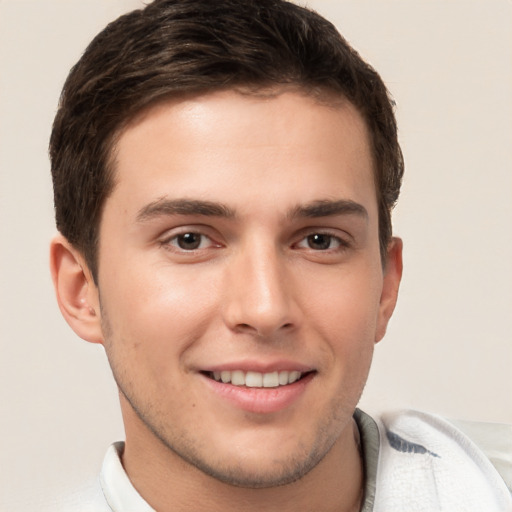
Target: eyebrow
328 208
165 206
320 208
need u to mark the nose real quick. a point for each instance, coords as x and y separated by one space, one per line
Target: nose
260 294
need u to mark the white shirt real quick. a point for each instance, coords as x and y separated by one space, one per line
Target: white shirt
413 461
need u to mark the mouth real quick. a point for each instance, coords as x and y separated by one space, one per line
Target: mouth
259 392
252 379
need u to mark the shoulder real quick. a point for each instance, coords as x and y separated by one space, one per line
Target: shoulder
111 490
87 498
494 440
428 463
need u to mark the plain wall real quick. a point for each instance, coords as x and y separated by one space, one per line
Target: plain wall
448 349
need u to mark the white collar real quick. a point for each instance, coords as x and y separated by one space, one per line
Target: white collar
118 490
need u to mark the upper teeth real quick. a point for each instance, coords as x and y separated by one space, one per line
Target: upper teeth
257 379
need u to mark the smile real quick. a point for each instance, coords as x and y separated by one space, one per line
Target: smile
259 392
253 379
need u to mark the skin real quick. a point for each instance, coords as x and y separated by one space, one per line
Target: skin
264 278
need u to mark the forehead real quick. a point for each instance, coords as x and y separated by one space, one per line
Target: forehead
287 147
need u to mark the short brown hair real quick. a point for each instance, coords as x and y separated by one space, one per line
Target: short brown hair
172 47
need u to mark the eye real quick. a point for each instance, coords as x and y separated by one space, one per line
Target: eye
321 242
189 241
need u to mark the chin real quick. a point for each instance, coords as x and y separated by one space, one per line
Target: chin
256 464
265 474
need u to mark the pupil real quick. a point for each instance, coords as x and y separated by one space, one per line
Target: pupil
319 241
189 241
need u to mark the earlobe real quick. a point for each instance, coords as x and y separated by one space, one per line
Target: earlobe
77 294
391 284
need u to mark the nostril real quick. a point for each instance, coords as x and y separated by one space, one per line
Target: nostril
261 331
246 329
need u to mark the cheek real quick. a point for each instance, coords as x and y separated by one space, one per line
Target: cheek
347 304
151 315
345 314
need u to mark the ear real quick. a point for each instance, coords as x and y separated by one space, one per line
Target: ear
77 294
391 283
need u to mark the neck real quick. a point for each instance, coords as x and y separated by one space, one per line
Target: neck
167 482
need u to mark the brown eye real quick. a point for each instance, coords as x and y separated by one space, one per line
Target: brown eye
189 241
190 246
320 242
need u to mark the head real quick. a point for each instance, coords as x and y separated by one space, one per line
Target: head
177 48
224 174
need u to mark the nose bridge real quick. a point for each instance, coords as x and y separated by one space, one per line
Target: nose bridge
260 296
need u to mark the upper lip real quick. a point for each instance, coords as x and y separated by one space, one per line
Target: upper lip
258 366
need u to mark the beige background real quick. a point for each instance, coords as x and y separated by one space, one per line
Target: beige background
449 350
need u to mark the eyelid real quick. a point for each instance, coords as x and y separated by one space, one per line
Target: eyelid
341 244
344 237
175 238
172 234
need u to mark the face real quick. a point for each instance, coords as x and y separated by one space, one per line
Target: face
240 283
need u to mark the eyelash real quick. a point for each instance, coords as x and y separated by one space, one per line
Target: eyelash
168 242
341 244
173 242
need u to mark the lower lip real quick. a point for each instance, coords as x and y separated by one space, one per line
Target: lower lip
261 400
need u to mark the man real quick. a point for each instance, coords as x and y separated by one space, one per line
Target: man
224 174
